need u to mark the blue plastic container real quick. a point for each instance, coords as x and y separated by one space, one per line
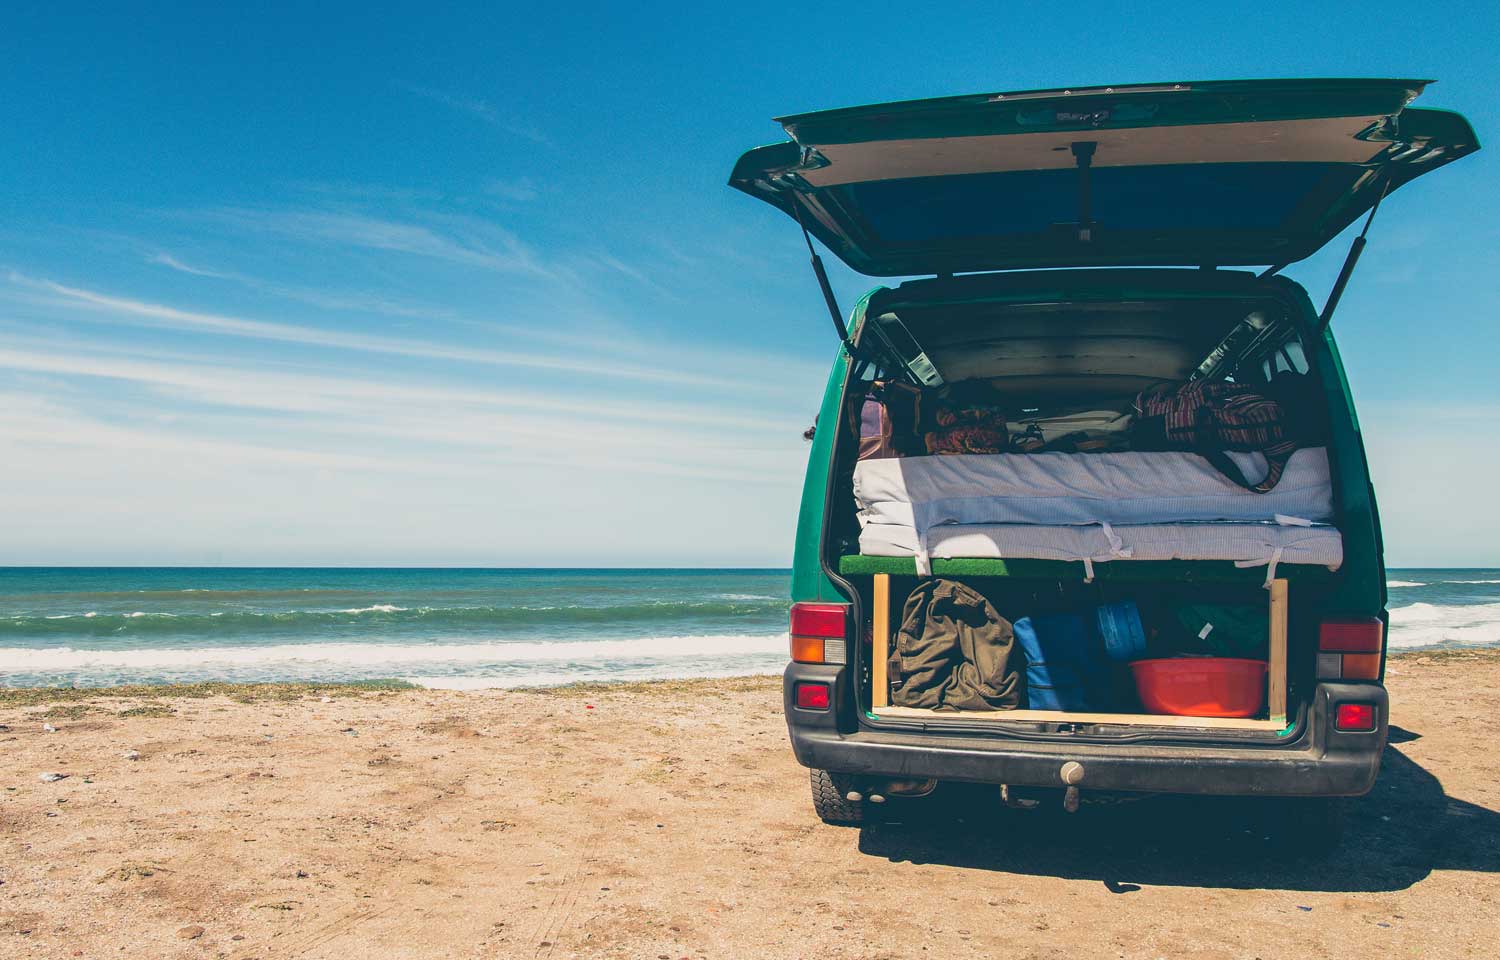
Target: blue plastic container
1120 626
1058 668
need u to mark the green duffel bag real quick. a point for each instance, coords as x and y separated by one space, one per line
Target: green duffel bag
1226 631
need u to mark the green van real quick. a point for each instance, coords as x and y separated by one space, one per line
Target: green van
1071 249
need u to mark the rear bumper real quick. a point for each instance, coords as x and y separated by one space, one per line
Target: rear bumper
1320 762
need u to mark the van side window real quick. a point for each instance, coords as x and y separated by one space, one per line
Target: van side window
1289 358
1294 358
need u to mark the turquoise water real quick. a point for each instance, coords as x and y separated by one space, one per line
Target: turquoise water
478 628
435 627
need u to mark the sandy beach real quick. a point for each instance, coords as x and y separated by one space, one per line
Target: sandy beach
669 820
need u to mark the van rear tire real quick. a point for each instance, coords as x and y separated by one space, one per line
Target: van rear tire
830 796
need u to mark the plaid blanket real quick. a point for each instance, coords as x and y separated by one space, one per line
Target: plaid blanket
1209 417
972 429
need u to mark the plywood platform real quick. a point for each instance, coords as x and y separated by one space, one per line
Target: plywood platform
1065 716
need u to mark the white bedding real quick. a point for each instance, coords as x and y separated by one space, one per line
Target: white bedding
1071 488
1095 507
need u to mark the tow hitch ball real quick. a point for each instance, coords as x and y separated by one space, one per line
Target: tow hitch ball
1071 775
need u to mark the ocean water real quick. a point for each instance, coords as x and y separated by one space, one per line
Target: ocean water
1443 607
480 628
440 628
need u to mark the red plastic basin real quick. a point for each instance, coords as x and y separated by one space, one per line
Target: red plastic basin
1202 686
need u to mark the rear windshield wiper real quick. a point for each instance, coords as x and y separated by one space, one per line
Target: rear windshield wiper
905 350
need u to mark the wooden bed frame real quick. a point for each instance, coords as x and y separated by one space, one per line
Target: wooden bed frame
1275 689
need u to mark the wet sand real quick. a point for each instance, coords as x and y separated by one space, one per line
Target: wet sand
670 820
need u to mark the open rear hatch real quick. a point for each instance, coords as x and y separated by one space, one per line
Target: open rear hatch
1199 174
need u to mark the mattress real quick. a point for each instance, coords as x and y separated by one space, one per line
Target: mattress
1081 488
1095 507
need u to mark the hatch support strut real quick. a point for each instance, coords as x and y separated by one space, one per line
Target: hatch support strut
823 284
1355 249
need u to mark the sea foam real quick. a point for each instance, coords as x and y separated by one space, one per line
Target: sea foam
1427 624
59 659
547 678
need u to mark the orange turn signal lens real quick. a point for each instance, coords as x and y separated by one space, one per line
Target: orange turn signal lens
1361 666
807 649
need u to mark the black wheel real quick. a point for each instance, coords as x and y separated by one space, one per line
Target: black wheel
1311 827
830 795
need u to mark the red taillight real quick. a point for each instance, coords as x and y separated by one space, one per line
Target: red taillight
1354 717
819 620
1351 636
1350 649
812 696
818 631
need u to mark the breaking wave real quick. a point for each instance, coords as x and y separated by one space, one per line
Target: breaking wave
208 625
1427 624
32 660
445 665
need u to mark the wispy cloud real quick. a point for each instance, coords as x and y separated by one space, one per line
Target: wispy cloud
26 419
620 266
588 263
516 188
479 109
163 315
369 192
214 381
348 417
171 262
325 299
456 239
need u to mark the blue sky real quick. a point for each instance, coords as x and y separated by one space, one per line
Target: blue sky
426 284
